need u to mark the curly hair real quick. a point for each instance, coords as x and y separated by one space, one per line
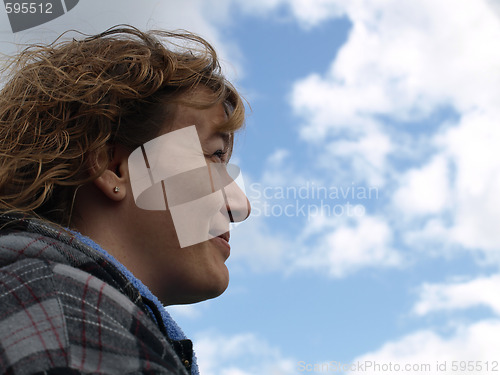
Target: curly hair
67 101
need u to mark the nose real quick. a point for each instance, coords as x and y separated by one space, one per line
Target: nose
225 177
237 203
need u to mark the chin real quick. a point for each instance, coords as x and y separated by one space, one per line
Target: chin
212 276
198 288
195 298
217 285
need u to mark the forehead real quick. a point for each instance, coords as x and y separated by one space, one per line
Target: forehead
210 119
207 120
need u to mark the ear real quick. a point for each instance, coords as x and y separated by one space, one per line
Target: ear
113 182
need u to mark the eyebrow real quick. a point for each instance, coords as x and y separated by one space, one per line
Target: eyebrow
226 138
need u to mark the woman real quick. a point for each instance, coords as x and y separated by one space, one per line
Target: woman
115 200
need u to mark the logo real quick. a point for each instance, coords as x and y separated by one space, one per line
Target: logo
24 15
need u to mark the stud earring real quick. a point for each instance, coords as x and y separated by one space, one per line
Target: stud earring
116 189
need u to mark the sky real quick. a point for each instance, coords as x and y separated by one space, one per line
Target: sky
370 156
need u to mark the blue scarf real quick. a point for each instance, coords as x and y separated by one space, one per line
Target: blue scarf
173 330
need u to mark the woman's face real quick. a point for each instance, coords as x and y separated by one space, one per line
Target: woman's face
182 221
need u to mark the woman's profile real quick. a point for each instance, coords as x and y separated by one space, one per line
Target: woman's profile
115 200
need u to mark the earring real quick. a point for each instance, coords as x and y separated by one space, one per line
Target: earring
116 189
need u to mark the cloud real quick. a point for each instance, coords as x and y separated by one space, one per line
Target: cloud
403 60
408 104
307 13
363 158
424 190
261 248
365 242
421 352
240 354
402 64
457 188
472 146
337 239
420 57
481 291
185 311
331 230
461 345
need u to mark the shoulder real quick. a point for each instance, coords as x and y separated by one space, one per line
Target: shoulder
32 325
54 315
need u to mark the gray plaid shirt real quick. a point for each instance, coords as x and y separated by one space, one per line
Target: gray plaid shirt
65 309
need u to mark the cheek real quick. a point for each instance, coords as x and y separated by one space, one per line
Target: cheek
199 220
156 230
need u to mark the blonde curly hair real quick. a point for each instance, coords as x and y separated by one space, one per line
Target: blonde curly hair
67 101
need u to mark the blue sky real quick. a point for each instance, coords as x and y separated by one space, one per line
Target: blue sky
399 99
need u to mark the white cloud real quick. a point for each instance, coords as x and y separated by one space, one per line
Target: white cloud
473 146
361 159
337 243
278 157
346 248
404 62
425 190
453 347
241 354
308 13
311 13
459 186
468 344
331 107
419 55
279 170
259 247
459 295
432 237
184 311
474 345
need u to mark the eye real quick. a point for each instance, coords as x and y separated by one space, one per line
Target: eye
220 154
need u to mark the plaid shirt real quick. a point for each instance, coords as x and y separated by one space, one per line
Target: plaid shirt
65 309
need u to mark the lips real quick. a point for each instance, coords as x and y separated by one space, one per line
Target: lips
225 236
222 243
